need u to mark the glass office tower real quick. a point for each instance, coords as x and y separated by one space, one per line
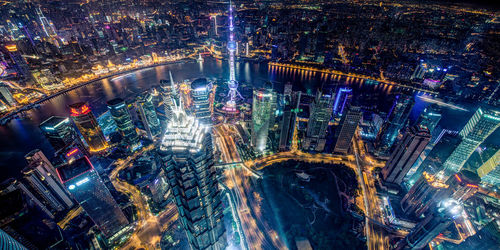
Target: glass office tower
200 90
263 115
87 125
478 128
148 116
123 120
88 189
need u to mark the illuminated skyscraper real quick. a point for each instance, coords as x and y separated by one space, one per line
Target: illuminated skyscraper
421 194
442 216
123 120
148 117
444 145
477 129
490 170
231 47
347 129
430 117
320 114
168 93
187 156
87 125
396 120
46 186
83 182
341 101
200 90
405 154
9 243
263 112
60 133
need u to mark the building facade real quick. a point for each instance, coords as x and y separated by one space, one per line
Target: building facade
490 170
478 128
89 128
200 90
395 121
86 186
349 124
320 114
405 154
263 115
148 116
187 157
124 123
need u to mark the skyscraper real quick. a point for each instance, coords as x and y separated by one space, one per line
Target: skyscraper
35 156
478 128
187 157
124 123
60 133
87 125
9 243
405 154
6 96
421 193
320 114
289 118
263 112
168 92
430 117
442 216
46 186
444 145
395 121
347 129
147 115
200 90
490 170
83 182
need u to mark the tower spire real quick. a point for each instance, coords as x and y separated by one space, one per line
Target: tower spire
231 46
172 83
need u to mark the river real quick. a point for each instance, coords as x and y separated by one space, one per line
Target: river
20 136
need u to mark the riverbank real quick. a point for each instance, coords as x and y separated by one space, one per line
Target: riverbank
7 117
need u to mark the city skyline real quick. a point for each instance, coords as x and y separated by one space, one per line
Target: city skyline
249 125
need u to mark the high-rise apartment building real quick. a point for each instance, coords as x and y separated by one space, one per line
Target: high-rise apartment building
124 123
263 115
478 128
187 157
320 114
200 90
148 116
87 125
348 126
405 154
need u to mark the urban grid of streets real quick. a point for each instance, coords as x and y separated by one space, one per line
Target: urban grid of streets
255 232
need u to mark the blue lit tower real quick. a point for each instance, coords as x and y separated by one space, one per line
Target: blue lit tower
232 84
430 117
200 90
123 120
187 158
7 242
88 189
